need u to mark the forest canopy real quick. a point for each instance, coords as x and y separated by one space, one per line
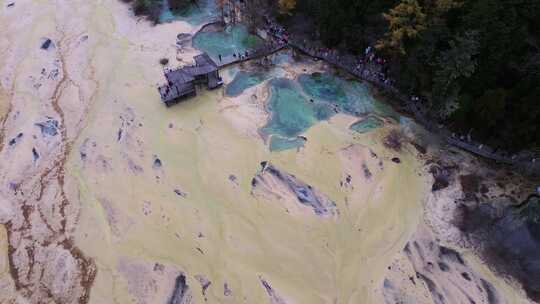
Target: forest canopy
476 63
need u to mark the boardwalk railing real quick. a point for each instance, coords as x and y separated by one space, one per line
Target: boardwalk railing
528 161
266 49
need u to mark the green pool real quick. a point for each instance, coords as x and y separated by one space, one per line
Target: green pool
198 13
291 113
234 39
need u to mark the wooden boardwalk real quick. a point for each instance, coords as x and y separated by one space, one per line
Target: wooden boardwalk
527 161
266 50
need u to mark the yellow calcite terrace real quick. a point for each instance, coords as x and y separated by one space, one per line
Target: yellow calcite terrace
130 194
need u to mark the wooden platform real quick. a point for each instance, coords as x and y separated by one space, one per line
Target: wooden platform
181 82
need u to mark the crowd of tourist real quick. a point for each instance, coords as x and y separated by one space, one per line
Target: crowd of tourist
369 66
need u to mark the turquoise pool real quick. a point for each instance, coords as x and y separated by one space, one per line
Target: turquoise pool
198 13
234 39
291 113
244 80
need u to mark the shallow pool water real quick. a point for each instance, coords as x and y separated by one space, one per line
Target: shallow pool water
234 39
296 105
244 80
278 143
367 124
198 13
291 113
324 86
346 96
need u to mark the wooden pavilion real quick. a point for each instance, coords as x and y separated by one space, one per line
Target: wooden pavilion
181 82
